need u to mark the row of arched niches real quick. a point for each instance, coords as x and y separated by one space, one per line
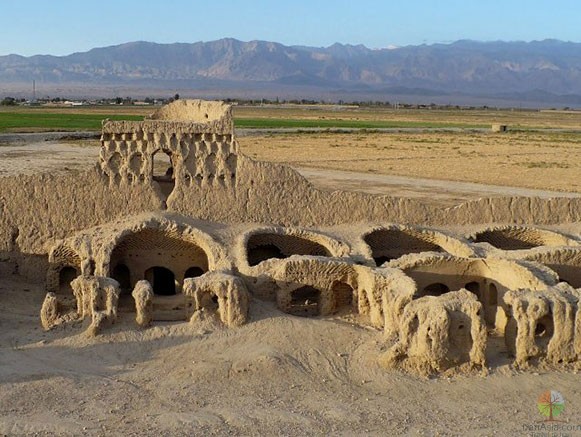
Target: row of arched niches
487 262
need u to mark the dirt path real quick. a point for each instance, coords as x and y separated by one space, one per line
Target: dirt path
47 156
433 191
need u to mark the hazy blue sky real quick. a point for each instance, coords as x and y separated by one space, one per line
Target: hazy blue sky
64 26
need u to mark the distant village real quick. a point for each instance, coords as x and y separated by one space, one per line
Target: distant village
150 101
58 101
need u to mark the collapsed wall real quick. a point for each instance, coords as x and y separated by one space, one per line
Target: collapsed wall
544 325
437 333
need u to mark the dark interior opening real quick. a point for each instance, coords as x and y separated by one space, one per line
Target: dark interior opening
507 239
193 272
379 260
210 302
460 337
569 273
66 275
121 274
436 289
305 302
388 244
343 295
162 280
473 287
492 295
163 172
263 252
261 247
544 330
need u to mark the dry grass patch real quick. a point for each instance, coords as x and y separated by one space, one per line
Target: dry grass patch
543 160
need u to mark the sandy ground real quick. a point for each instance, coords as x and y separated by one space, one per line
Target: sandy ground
538 160
513 118
277 375
47 156
441 193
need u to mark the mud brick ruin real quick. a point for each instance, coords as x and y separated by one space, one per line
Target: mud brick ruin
174 223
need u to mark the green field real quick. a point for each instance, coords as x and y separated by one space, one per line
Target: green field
47 118
42 121
39 120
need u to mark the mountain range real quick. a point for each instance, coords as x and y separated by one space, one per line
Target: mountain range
543 71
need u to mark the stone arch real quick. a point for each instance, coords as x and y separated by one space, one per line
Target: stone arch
435 289
146 248
167 233
388 243
343 296
565 261
61 257
304 301
334 282
520 238
66 275
263 246
473 287
162 171
494 277
162 280
193 272
280 243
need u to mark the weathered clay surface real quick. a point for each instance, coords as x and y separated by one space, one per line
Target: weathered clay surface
222 293
211 227
439 332
97 298
544 324
143 296
49 312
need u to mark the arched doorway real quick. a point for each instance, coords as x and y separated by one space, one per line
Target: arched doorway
66 275
193 272
263 252
138 252
162 280
263 246
305 302
388 244
491 305
342 296
436 289
163 172
473 287
121 274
